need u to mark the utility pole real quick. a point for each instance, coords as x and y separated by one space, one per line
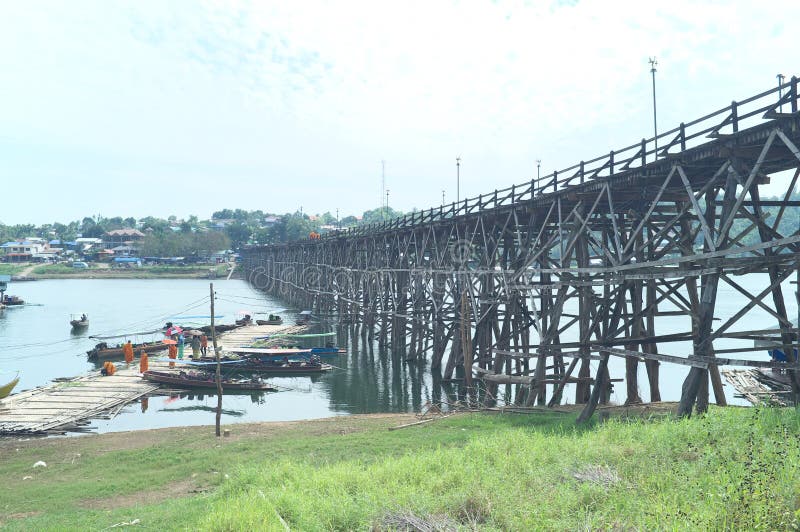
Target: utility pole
780 91
216 355
458 179
653 64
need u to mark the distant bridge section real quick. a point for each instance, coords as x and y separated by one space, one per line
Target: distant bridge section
544 288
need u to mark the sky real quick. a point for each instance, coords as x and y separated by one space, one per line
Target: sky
158 108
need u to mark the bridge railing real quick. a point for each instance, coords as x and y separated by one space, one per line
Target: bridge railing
729 120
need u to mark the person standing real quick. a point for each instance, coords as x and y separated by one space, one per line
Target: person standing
127 351
204 344
173 354
180 346
195 347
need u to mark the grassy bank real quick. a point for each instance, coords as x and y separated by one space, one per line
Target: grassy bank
63 271
734 468
10 269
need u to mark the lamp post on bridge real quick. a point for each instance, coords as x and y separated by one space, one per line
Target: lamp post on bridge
387 203
780 91
538 170
458 179
653 64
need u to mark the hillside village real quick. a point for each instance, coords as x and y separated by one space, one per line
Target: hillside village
128 242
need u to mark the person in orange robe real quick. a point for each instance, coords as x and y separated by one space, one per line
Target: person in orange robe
127 350
143 362
173 354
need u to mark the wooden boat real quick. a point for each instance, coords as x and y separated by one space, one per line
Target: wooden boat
247 320
274 353
282 366
79 323
10 301
218 328
5 389
305 366
278 321
304 318
103 351
206 380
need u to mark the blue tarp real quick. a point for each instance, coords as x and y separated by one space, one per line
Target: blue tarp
127 259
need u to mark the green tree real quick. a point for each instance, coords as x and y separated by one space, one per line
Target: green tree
239 234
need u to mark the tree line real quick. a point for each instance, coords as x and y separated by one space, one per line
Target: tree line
227 228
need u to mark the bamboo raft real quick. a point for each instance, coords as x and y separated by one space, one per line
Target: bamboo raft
67 405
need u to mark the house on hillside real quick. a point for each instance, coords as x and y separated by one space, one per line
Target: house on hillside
23 250
87 246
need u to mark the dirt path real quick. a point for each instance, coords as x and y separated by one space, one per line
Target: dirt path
27 271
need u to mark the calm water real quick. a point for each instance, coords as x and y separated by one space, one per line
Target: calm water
36 340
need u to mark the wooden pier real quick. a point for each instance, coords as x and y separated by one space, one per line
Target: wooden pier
68 404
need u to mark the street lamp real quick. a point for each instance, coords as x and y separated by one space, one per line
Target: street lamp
387 202
458 179
653 64
383 176
442 197
538 169
780 91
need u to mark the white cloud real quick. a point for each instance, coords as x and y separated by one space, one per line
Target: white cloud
298 102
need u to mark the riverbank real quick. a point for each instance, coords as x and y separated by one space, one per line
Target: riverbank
61 271
734 468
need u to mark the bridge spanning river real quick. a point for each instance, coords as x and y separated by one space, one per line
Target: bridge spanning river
524 287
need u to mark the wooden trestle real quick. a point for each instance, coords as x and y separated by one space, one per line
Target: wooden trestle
538 279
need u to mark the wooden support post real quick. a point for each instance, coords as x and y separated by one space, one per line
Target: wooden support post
216 356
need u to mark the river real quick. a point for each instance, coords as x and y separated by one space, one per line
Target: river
36 340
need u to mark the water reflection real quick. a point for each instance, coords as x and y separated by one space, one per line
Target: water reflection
78 332
373 378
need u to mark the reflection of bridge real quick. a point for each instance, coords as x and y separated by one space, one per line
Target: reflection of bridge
590 260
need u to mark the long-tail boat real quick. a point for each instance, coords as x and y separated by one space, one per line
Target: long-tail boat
5 389
206 380
277 353
310 366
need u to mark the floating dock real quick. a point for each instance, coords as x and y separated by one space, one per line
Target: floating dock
67 405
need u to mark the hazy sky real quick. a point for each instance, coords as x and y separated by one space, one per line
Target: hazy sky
187 107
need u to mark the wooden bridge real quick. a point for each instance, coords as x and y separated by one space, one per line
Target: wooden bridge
523 287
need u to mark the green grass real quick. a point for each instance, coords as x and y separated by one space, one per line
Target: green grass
734 468
55 269
10 269
142 272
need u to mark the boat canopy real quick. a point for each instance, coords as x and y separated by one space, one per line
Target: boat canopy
128 334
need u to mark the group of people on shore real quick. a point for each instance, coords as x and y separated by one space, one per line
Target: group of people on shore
198 343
